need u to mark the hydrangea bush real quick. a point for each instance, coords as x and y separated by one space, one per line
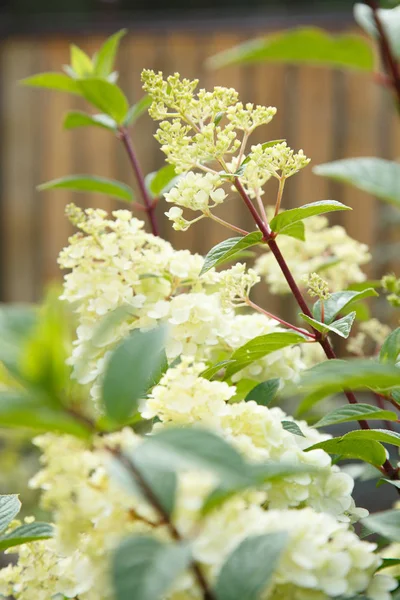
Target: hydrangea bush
169 467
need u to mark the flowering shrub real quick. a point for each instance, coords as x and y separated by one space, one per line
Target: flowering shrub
168 467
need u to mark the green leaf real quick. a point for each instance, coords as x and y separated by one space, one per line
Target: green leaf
333 376
390 19
296 230
385 523
288 217
9 508
339 302
210 372
292 427
355 412
90 183
143 568
175 449
105 96
228 248
137 110
249 568
341 327
374 175
29 532
391 348
259 347
74 119
131 370
265 392
388 562
105 57
161 181
370 451
53 81
303 45
80 62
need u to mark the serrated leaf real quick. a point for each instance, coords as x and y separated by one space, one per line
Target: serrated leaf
259 347
105 57
374 175
9 508
105 96
303 45
355 412
286 218
292 427
211 371
29 532
137 110
74 119
53 81
341 327
389 18
249 568
131 370
80 62
90 183
228 248
340 301
161 181
391 348
264 393
143 568
368 450
385 523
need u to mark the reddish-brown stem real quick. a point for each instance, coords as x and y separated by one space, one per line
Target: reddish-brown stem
388 59
381 403
271 316
162 513
149 205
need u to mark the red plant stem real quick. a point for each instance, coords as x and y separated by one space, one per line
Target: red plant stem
269 239
271 316
388 59
149 205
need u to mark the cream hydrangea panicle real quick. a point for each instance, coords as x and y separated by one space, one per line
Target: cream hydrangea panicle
317 287
250 117
327 250
235 284
195 191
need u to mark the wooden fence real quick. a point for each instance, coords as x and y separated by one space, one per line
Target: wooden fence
329 114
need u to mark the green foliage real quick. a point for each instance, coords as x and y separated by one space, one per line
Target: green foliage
249 568
228 249
132 369
105 96
285 219
137 110
374 175
105 57
306 45
341 327
9 509
338 302
368 450
144 568
161 181
54 81
391 348
385 523
91 183
75 119
264 393
292 427
355 412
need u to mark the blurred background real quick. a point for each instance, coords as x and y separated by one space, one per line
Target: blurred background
328 113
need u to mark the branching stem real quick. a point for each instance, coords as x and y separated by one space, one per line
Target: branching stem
271 316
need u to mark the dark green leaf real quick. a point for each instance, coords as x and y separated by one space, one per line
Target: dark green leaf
341 327
391 348
105 96
389 562
53 81
143 568
228 248
340 301
9 508
385 523
161 181
105 57
374 175
355 412
76 119
210 372
137 110
292 427
305 45
91 183
265 392
131 370
218 118
288 217
259 347
29 532
249 568
368 450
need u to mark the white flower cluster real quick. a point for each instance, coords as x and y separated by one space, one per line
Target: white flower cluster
327 250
